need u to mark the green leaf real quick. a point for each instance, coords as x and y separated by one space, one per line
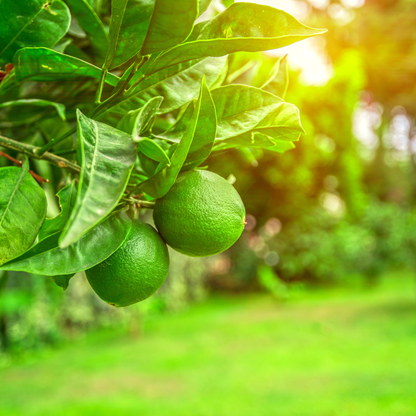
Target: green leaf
256 140
42 64
91 24
48 259
22 211
275 132
63 280
159 184
203 6
205 132
130 20
178 84
282 123
278 79
171 24
242 27
62 45
27 111
243 110
107 158
67 196
152 150
239 109
31 23
138 121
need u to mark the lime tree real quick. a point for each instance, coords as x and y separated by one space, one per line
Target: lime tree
127 115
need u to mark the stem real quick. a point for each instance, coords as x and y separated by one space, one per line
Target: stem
101 86
20 163
29 150
140 203
40 151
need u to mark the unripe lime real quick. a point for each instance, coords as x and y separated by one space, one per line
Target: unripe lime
201 215
135 271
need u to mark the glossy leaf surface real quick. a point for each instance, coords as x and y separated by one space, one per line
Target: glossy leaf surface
67 198
136 122
205 132
42 64
27 111
130 20
47 258
239 109
107 157
22 211
63 280
153 151
159 184
171 24
91 24
242 27
178 85
31 23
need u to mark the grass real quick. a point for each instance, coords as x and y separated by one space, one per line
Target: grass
331 353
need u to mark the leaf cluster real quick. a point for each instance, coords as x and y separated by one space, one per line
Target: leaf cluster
131 98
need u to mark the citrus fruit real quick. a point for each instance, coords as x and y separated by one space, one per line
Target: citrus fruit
201 215
135 271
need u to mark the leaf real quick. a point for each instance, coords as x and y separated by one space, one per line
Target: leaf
107 158
136 122
178 85
275 132
282 123
203 6
255 140
42 64
152 150
171 24
278 80
205 132
31 23
28 111
67 198
130 20
63 280
91 24
48 259
242 27
159 184
22 211
239 110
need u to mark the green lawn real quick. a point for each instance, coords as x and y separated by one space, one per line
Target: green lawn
332 353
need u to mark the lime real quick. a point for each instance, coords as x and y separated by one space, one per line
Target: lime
201 215
135 271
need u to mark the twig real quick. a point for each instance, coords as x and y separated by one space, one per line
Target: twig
29 150
20 163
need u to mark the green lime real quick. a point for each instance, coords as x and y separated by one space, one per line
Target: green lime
201 215
135 271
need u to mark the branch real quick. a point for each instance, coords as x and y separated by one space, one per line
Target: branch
29 149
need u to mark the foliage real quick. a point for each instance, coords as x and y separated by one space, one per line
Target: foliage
110 103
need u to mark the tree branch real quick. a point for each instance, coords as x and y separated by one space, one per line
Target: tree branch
28 150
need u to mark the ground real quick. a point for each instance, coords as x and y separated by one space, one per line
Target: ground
326 353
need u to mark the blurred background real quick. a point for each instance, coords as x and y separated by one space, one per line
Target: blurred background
313 311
